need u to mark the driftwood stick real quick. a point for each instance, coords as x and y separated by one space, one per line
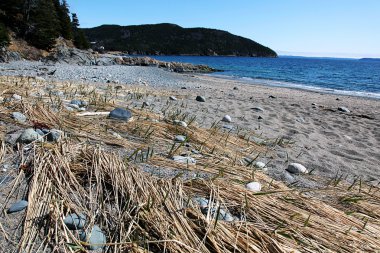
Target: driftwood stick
82 114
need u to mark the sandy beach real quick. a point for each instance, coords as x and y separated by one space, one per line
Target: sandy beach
327 141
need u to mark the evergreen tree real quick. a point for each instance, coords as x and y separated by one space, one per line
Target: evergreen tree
74 21
4 37
62 10
80 40
12 14
45 24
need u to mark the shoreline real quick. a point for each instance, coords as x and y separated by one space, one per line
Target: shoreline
295 86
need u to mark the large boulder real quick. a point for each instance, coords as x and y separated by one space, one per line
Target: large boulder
64 54
7 56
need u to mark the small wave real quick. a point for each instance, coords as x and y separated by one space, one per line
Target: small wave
275 83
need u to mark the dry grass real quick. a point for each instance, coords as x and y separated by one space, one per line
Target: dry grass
85 173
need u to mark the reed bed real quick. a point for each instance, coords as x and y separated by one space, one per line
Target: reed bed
95 172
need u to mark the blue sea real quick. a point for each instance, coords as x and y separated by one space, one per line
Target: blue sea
333 75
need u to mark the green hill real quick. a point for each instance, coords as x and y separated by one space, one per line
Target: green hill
170 39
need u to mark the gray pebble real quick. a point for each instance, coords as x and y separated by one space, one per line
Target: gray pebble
28 136
18 116
180 138
296 168
180 123
79 103
96 238
121 114
54 135
184 159
16 97
74 221
200 99
40 132
227 118
343 109
18 206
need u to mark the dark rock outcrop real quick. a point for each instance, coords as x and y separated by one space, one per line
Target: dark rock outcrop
7 56
178 67
64 54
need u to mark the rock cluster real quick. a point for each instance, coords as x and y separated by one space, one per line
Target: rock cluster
178 67
64 54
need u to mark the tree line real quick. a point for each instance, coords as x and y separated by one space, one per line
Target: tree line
40 22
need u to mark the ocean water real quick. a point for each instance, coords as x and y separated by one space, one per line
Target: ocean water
333 75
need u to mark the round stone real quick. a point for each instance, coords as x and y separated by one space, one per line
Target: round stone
202 202
296 168
18 206
96 238
260 165
227 118
121 114
180 123
184 159
16 97
200 99
344 109
74 221
254 186
28 136
54 135
180 138
18 116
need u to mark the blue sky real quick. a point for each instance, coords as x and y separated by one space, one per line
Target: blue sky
336 28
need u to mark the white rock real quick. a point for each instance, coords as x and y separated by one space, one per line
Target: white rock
180 123
260 165
296 168
344 109
180 138
117 135
184 159
227 118
254 186
16 97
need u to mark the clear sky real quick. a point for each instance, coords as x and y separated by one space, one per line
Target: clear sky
336 28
